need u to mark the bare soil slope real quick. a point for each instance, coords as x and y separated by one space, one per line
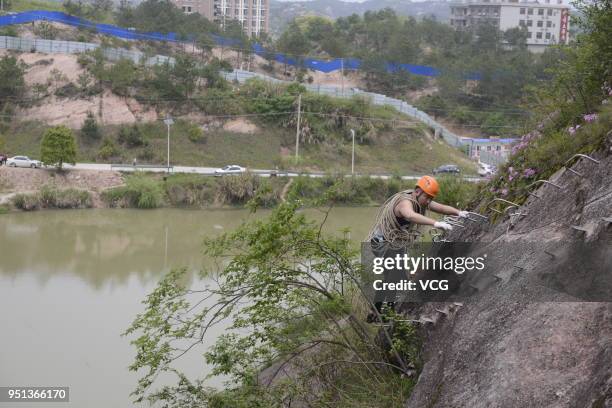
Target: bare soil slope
110 109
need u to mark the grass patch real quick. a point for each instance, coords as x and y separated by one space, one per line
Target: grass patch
145 190
404 151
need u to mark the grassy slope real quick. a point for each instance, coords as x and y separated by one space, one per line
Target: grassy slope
24 5
401 151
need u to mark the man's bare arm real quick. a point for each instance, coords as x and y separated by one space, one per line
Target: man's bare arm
443 209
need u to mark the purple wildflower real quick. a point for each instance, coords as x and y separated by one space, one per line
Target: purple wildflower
590 117
504 192
528 173
571 130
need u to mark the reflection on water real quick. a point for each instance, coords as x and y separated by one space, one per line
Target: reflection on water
72 281
109 246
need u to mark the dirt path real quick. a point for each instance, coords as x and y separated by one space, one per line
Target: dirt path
283 194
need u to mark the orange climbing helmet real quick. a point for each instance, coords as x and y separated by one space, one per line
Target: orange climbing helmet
429 185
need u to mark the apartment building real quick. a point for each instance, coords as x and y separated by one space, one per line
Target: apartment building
254 15
546 22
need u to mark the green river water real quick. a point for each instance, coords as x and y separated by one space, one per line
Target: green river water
72 281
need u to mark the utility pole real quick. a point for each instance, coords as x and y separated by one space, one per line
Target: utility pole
168 121
353 157
297 130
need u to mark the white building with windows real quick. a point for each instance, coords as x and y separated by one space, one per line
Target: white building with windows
546 22
493 150
253 15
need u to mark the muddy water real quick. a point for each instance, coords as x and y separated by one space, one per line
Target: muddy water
72 281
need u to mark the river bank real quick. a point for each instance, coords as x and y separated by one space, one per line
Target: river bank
36 189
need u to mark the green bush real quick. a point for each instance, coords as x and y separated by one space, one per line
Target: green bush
9 31
26 202
456 191
147 154
132 136
140 191
494 124
70 90
90 129
196 134
463 115
122 75
189 190
108 149
45 31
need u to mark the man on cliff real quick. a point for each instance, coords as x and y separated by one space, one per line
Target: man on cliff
398 221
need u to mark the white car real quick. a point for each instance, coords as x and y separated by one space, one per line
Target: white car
230 169
485 169
23 161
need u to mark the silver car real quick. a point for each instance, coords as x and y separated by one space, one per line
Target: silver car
23 161
230 169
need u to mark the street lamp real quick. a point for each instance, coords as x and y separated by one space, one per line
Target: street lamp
168 121
353 156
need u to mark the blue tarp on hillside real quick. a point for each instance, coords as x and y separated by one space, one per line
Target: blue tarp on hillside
310 63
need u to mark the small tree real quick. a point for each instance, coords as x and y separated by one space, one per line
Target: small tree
108 149
132 136
58 147
90 129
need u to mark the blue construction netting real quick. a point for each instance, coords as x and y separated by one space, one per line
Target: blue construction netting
129 34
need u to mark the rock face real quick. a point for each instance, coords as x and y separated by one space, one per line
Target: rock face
505 349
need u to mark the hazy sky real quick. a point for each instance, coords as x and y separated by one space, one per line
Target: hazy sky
347 1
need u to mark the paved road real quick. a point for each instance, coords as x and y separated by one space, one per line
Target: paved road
209 171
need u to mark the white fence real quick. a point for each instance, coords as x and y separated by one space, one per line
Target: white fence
73 47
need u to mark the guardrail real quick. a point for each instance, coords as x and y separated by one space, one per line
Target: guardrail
141 166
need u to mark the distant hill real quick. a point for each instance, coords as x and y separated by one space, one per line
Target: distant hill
281 12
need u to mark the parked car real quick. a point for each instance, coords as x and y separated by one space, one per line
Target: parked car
23 161
447 168
230 169
485 169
